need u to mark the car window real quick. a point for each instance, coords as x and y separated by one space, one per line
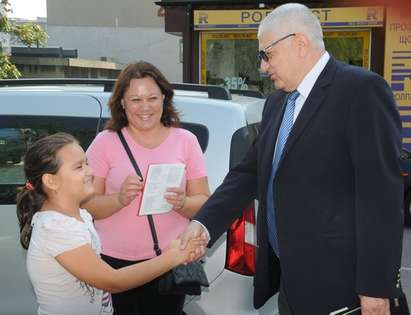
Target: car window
241 141
200 131
17 133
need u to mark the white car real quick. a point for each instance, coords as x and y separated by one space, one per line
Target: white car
225 124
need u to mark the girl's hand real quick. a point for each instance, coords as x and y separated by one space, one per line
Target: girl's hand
188 253
130 189
176 196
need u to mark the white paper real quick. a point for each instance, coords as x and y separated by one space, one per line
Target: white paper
159 178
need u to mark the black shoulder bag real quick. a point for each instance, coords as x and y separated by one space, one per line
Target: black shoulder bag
183 279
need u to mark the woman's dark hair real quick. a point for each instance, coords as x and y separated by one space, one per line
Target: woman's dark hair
140 70
40 159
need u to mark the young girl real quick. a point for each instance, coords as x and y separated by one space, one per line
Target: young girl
63 259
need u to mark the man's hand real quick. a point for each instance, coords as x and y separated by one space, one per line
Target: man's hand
192 231
374 306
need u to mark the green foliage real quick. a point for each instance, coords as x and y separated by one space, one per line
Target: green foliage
5 25
7 69
30 34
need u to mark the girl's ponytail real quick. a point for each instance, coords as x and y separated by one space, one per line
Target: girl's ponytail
29 201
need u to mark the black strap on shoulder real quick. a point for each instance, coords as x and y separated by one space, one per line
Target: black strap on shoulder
130 155
137 169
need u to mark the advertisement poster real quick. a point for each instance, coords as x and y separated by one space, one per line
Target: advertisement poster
397 67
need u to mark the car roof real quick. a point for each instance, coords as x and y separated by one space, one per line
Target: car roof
251 106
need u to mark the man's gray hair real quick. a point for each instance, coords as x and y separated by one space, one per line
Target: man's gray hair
293 18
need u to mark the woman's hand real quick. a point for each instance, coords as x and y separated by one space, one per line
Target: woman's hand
176 196
130 189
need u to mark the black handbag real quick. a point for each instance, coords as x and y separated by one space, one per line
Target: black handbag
183 279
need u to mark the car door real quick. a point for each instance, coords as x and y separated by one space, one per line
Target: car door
24 117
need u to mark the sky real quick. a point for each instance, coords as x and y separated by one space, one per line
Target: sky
28 9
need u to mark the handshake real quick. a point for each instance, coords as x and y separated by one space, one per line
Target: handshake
190 245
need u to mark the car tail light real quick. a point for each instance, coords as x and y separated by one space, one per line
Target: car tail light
241 244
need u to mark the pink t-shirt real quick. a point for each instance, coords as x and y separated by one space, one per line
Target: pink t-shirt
125 235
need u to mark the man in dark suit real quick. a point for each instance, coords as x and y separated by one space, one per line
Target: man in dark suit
325 169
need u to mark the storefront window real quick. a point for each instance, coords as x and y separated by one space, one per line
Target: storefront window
351 47
230 58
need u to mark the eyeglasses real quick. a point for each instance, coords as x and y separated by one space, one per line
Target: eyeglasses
262 54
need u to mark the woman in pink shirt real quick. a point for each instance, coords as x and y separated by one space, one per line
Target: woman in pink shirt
141 108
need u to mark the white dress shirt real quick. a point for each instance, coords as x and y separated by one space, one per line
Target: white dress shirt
306 85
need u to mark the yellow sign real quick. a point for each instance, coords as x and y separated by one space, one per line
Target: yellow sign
397 66
250 19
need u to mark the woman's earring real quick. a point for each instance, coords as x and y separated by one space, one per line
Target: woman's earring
122 104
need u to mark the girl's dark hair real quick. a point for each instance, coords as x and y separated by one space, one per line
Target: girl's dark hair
140 70
40 159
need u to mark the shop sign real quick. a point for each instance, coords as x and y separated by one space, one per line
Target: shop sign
397 67
250 19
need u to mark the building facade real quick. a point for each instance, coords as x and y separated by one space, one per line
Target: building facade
220 42
120 32
56 62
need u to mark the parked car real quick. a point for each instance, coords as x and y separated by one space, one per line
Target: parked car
406 172
12 145
225 124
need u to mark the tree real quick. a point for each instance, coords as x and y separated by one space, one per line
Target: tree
30 34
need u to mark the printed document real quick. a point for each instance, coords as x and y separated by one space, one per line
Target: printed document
159 178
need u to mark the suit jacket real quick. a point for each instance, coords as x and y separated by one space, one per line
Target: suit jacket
337 193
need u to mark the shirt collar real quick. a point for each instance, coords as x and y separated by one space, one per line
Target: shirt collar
306 85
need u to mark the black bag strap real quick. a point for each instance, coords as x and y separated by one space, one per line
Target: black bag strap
137 169
130 155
